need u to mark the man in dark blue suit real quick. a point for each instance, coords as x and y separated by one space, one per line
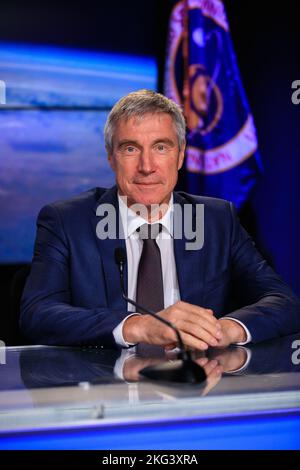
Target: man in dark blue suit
220 293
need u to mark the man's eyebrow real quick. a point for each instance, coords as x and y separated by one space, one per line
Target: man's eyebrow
128 142
165 140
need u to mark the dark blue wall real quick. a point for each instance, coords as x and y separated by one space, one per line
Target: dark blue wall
267 44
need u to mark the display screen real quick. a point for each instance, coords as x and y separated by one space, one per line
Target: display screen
51 130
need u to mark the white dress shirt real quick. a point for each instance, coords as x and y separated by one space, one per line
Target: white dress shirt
134 245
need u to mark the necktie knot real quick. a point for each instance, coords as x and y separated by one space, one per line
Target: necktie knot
149 231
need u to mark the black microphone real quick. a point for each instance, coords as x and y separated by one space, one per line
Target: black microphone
184 370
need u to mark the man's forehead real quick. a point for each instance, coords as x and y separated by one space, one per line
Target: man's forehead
150 119
139 118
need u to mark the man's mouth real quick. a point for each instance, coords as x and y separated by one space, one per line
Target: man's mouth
146 183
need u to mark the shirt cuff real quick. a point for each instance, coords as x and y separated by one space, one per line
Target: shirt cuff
248 334
118 333
119 365
244 366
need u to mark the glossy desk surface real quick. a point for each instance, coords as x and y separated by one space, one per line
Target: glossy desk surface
44 388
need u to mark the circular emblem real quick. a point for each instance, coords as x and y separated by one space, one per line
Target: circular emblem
206 104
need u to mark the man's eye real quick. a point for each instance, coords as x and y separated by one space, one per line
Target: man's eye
161 147
130 149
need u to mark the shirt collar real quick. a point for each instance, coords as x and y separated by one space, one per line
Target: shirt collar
131 221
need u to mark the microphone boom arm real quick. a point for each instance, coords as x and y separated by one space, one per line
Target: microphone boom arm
120 259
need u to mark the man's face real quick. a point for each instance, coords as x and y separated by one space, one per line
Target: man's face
146 158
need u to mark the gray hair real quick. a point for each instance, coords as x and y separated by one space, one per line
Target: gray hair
138 104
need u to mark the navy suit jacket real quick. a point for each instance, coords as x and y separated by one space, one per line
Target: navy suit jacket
73 294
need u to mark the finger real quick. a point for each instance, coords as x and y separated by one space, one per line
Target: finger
193 342
215 372
197 310
200 330
204 321
210 366
196 315
179 317
212 378
202 362
182 318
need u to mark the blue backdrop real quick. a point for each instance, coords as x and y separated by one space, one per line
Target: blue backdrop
51 129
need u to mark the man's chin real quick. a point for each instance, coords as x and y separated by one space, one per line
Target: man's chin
150 200
147 195
147 200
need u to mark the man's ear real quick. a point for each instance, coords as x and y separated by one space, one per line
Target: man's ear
181 156
111 161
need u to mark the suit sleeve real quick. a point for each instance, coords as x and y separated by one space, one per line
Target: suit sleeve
271 308
47 315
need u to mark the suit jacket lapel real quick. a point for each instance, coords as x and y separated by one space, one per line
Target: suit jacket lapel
189 263
107 247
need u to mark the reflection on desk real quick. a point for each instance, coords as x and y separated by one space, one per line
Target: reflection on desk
41 366
57 386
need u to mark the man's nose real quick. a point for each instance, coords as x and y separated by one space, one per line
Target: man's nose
146 162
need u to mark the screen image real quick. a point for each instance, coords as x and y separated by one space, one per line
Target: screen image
51 130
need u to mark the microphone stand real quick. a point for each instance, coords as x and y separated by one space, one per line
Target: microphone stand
183 370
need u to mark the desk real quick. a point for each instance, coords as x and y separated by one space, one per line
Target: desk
70 398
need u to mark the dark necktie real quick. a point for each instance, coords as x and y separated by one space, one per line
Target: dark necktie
150 291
